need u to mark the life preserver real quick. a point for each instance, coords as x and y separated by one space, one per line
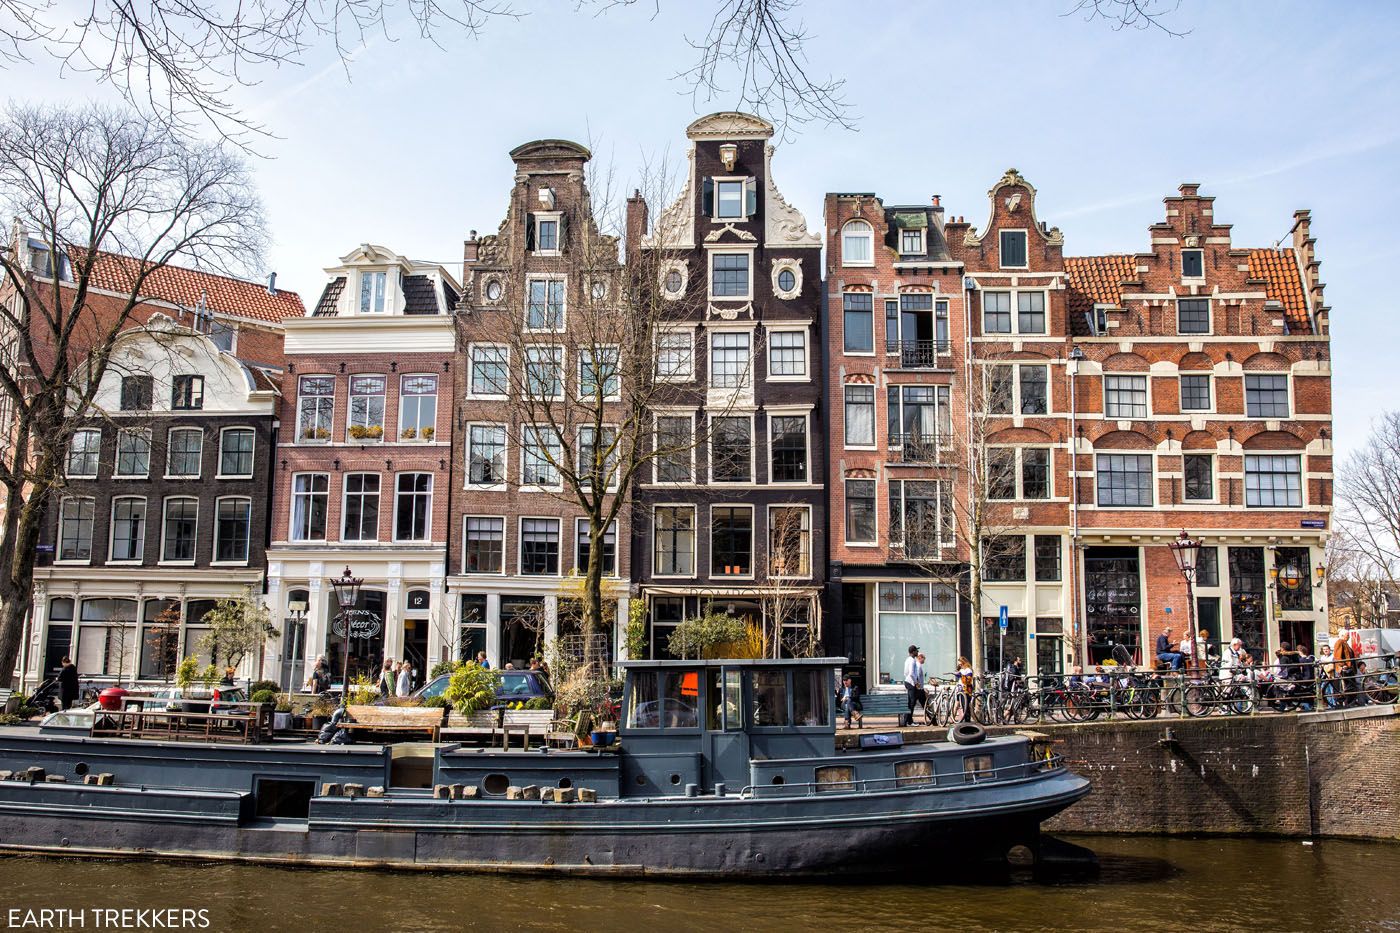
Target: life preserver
966 733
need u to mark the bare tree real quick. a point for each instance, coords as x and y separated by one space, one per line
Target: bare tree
788 601
585 370
181 60
103 200
1368 513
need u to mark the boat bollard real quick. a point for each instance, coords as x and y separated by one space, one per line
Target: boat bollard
720 789
692 790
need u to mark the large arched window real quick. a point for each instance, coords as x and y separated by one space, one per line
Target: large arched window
857 244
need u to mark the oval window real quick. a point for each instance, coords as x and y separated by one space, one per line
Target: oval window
493 290
600 291
673 282
786 280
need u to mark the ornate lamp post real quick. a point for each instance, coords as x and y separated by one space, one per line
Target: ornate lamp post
347 593
1185 550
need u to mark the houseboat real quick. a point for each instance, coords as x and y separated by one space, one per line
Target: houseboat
723 768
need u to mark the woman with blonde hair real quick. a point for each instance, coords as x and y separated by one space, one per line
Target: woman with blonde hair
967 681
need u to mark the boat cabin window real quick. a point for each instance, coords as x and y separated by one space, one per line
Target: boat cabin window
907 773
714 702
643 701
770 701
809 694
733 701
836 778
977 768
682 699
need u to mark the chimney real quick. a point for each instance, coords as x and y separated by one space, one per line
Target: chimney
938 202
1305 252
272 283
1190 189
471 248
637 220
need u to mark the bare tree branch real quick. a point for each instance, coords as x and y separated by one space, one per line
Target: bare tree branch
1129 14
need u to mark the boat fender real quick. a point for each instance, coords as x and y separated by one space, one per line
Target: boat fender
967 733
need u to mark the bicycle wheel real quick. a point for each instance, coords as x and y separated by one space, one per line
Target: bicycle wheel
1151 702
930 711
1079 706
1242 699
1199 700
1381 688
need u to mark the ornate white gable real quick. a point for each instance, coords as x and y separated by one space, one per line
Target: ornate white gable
730 124
784 224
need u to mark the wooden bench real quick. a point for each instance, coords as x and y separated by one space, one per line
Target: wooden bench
424 719
491 723
5 695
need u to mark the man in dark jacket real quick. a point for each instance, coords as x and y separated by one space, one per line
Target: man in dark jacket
1166 649
68 683
849 702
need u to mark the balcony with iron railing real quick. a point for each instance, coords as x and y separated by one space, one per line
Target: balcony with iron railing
922 354
918 448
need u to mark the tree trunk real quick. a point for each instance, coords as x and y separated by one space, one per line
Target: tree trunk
21 542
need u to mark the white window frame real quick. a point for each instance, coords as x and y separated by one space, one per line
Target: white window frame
292 507
563 324
1193 278
846 512
302 397
427 536
1019 476
505 456
754 538
688 375
588 354
1302 480
747 252
1014 312
868 236
1025 236
578 565
404 397
1146 391
520 546
112 531
915 231
753 448
743 184
806 374
248 545
170 448
165 521
655 434
253 454
117 453
505 526
874 343
806 417
561 368
381 286
92 528
1214 479
1210 390
472 364
526 431
345 501
874 416
681 268
694 541
351 395
746 383
540 217
768 541
97 459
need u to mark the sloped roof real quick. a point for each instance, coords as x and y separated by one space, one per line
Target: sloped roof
181 286
1096 280
1280 270
330 296
419 295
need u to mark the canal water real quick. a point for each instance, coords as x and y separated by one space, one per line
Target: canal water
1146 883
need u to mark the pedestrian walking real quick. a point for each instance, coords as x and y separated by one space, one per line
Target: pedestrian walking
405 683
913 678
67 683
388 680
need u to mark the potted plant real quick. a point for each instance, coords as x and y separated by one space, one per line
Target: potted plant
358 431
321 710
374 432
408 434
282 713
428 434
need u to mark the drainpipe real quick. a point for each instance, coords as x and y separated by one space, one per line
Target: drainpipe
974 590
1072 370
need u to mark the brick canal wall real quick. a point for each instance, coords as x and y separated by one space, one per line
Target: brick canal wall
1318 774
1308 774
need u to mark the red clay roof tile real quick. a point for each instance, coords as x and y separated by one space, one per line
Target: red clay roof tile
222 294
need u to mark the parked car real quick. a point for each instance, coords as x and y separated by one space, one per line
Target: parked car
516 687
201 699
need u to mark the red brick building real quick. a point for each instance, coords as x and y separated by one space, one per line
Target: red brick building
1100 405
363 459
894 342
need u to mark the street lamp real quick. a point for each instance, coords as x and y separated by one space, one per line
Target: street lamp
1185 550
347 593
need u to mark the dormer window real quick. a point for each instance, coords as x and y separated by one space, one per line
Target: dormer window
911 242
1193 264
372 287
857 244
1013 249
545 234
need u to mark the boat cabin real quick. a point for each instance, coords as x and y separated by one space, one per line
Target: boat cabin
692 727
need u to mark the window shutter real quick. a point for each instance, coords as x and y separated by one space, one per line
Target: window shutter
751 192
529 233
707 197
563 232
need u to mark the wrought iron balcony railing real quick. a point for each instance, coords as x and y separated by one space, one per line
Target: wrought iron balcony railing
918 448
922 354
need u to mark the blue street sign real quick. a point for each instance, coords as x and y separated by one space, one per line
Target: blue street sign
1002 618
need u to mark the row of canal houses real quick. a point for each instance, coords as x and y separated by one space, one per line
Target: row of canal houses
907 384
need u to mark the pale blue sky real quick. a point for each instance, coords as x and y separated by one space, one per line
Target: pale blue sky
1270 106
